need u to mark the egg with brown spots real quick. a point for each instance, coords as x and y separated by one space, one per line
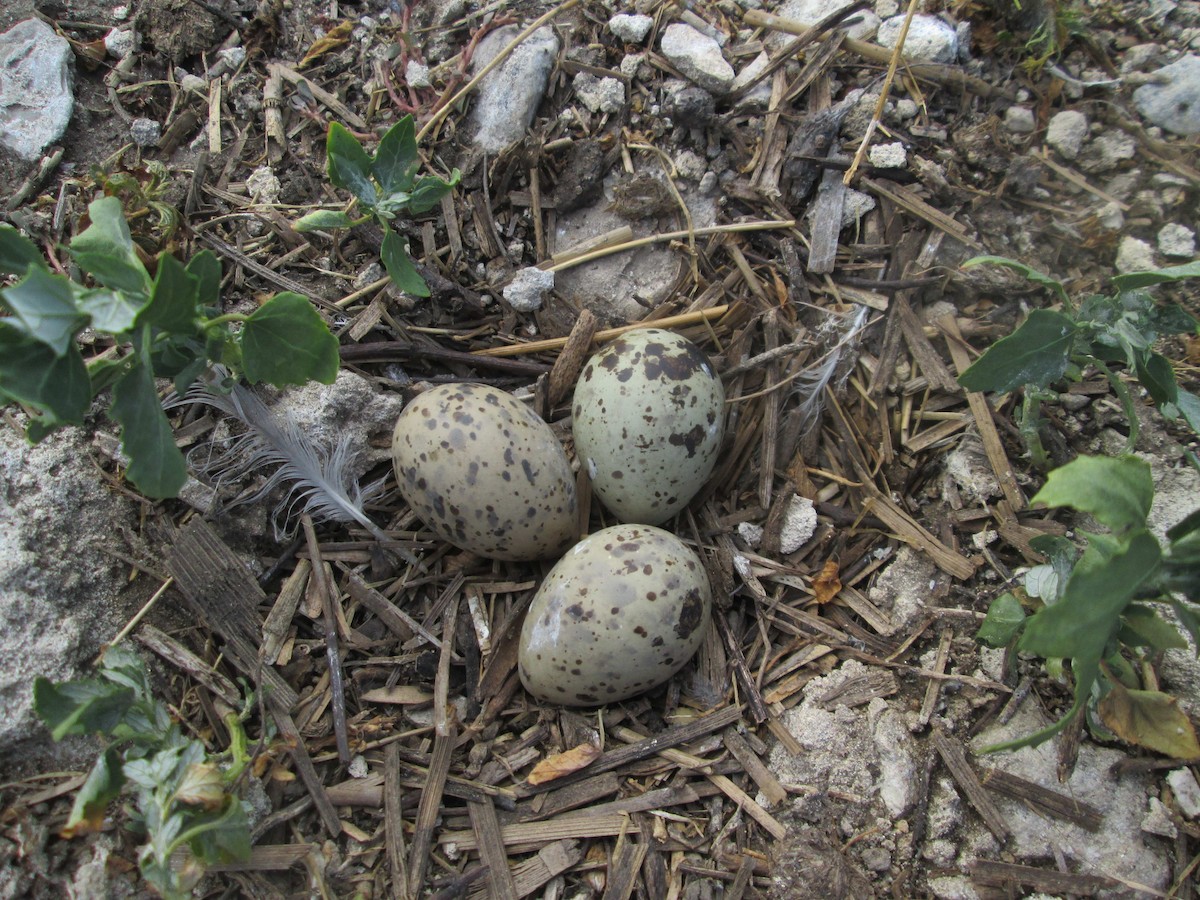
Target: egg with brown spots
484 472
648 419
619 614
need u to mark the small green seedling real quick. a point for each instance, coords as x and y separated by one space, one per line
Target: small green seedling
1102 610
1119 329
168 325
386 186
182 796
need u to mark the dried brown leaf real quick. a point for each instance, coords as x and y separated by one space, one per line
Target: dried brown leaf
565 763
827 585
337 37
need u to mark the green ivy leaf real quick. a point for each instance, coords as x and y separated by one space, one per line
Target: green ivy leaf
1032 274
399 267
322 220
1189 618
396 157
1036 353
348 165
155 464
429 191
1116 491
1085 673
1157 377
17 252
1133 280
219 837
101 788
285 342
1003 621
1185 526
173 297
111 311
1142 626
206 269
1188 405
90 706
1171 318
105 249
30 372
43 306
1101 586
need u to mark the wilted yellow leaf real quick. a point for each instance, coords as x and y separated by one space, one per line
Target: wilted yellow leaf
336 37
565 763
1149 719
827 585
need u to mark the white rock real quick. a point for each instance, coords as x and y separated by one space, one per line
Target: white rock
1134 255
929 38
145 132
1106 151
508 97
760 95
750 533
1187 792
1177 241
417 75
1175 104
1019 120
690 165
36 99
856 205
698 57
902 590
631 64
263 185
119 42
1110 216
359 767
527 288
888 156
810 12
632 29
799 524
1066 131
600 95
897 760
194 84
1157 820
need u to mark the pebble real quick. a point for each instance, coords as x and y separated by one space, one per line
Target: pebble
929 38
760 94
906 109
876 859
810 12
1134 255
263 185
750 533
631 64
145 132
119 42
528 288
1187 792
698 57
687 104
709 184
1019 120
1158 820
600 95
799 524
417 75
1106 151
690 165
194 84
1066 132
1177 241
888 156
1175 104
1110 216
36 98
509 95
632 29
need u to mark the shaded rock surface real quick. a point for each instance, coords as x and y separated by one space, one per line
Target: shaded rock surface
36 87
1174 104
510 94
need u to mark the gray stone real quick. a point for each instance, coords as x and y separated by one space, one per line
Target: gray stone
1066 131
417 75
527 288
119 42
145 132
632 29
1177 241
929 38
510 94
600 95
1175 104
1019 120
698 58
688 104
1187 792
799 524
1106 151
888 156
36 82
1116 848
901 590
1134 255
810 12
760 94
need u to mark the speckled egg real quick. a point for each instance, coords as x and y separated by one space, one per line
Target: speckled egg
619 614
485 472
648 422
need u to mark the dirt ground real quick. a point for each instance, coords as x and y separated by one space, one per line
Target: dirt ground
894 458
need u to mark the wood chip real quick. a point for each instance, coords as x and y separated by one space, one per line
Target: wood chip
955 758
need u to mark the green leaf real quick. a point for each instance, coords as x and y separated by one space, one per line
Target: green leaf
219 837
285 341
206 269
1134 280
105 249
1116 491
17 252
396 157
30 372
1185 526
323 219
399 267
155 464
1003 622
1157 377
348 165
113 312
1104 581
173 297
1149 719
90 706
1142 626
102 787
429 191
1171 318
1032 274
1189 618
104 373
1084 673
43 306
1036 353
1188 405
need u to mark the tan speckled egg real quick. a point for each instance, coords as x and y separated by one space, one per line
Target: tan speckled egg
619 614
648 418
485 472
